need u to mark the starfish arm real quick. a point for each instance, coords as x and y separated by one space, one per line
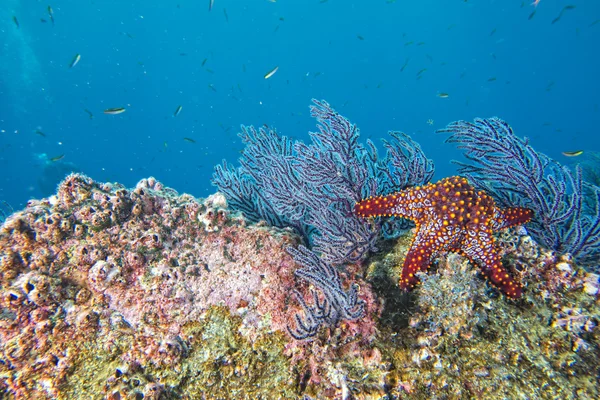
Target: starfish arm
511 217
425 244
394 204
479 247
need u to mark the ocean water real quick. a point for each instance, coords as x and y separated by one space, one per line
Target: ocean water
383 64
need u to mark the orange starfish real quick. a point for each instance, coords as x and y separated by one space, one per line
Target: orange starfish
450 216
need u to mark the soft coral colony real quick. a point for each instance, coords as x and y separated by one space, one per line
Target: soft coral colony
290 282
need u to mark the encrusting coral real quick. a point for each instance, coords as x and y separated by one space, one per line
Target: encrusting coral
113 293
119 292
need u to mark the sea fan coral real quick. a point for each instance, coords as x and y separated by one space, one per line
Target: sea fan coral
313 189
566 208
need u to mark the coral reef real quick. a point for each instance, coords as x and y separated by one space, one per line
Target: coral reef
453 338
147 293
110 293
143 293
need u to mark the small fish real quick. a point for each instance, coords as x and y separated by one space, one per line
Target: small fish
360 37
204 62
531 15
16 21
572 153
421 71
38 132
271 72
226 16
190 140
492 79
51 14
408 43
565 8
43 21
212 87
405 65
443 95
89 113
165 145
594 23
211 3
75 60
492 32
114 111
535 3
57 158
177 111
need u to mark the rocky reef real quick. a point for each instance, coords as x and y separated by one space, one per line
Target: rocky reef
111 293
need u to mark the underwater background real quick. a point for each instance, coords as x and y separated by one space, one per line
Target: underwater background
402 65
189 212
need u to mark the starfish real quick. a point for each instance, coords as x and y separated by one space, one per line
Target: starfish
450 216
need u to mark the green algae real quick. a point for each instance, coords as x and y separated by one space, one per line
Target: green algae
459 345
218 363
223 364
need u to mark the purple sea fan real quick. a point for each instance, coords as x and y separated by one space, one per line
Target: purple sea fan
566 208
313 188
337 303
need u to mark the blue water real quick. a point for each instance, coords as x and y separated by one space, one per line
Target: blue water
147 56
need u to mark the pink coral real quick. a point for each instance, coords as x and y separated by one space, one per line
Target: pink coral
97 259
